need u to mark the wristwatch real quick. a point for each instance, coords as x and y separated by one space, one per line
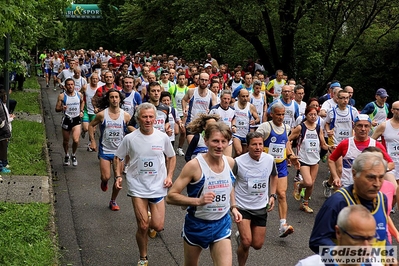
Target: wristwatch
274 196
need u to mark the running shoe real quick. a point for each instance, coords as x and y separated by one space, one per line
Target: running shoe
74 160
152 233
104 186
5 171
305 207
285 230
326 189
296 192
142 263
180 152
324 158
83 134
238 239
66 160
113 206
298 177
89 148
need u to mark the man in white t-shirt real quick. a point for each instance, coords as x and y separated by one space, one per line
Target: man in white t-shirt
149 175
256 176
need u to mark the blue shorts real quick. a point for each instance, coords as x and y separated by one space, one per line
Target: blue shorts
242 139
282 169
107 157
152 200
54 73
202 233
48 71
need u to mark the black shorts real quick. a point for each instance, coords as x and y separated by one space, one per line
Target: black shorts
257 217
68 123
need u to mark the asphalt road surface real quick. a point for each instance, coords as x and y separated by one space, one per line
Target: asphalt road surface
89 233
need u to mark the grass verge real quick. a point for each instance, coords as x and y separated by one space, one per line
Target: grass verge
27 102
25 237
31 83
25 150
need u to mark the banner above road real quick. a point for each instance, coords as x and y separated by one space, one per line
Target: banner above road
83 12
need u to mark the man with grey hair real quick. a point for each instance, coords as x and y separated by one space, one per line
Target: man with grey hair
149 175
368 170
275 137
332 102
355 226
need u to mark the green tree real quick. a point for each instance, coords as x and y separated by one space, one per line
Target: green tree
27 23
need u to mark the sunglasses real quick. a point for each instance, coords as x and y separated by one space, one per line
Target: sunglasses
359 238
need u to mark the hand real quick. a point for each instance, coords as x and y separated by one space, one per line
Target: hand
236 215
337 182
169 132
93 145
295 161
271 204
330 133
167 182
207 198
118 183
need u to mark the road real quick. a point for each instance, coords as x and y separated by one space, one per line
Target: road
89 233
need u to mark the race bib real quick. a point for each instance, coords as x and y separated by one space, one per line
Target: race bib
277 150
257 186
393 149
311 145
342 134
148 165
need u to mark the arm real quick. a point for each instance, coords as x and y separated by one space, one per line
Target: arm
82 104
117 171
170 168
323 231
233 207
214 99
97 120
95 100
323 143
264 117
254 114
186 100
293 136
379 130
233 125
273 179
60 105
333 164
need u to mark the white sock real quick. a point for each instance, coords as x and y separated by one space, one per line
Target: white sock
282 222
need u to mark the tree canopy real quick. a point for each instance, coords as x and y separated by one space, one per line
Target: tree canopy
29 23
354 41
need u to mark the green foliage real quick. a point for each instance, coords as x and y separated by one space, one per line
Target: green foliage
27 23
25 238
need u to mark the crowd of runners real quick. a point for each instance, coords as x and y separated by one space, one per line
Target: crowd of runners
243 129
